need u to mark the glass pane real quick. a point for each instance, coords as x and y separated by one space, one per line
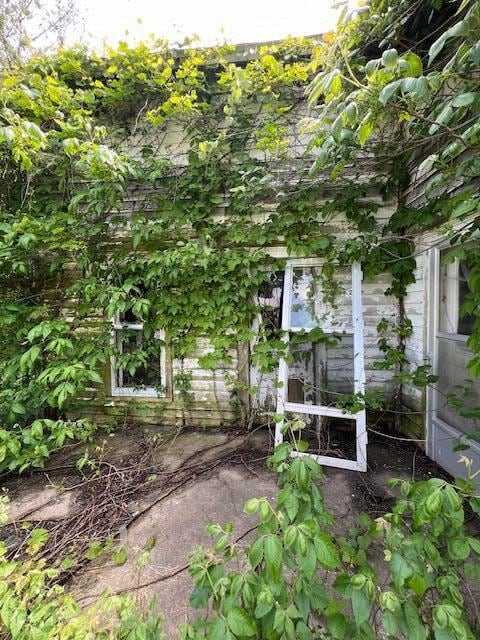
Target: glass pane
465 323
453 357
320 371
454 290
140 361
321 302
326 436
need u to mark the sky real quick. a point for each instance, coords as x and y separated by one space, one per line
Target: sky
212 20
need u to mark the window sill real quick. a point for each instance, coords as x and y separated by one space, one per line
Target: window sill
131 392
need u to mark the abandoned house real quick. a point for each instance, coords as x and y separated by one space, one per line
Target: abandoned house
346 308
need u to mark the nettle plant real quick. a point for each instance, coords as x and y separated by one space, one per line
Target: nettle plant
298 580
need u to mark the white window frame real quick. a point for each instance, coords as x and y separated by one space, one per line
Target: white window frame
283 406
142 392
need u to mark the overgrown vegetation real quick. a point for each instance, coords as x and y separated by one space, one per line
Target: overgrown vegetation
410 573
183 261
396 91
300 582
30 607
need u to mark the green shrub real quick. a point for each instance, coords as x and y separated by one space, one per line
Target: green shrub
32 608
23 447
299 581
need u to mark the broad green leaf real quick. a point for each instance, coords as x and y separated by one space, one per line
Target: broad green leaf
327 554
364 132
360 606
464 99
412 625
458 548
273 551
427 164
389 91
240 622
390 58
414 63
400 569
199 597
303 632
255 553
337 625
291 505
120 557
458 29
217 630
418 584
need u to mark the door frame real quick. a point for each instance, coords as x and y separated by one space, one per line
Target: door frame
360 463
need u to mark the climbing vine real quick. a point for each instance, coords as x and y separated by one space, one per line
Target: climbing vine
135 184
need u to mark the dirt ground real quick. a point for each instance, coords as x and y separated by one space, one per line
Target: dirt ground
156 491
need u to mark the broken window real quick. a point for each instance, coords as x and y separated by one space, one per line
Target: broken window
138 368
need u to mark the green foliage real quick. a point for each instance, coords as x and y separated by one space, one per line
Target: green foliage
32 445
298 581
399 83
190 259
33 606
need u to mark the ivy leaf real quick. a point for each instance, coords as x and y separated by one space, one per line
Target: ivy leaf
364 132
400 569
327 554
273 551
360 607
458 29
464 99
241 623
217 630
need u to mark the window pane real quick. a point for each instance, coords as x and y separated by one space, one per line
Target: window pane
453 358
140 360
454 290
320 302
465 324
321 372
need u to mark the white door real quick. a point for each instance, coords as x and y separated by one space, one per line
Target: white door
452 429
323 321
